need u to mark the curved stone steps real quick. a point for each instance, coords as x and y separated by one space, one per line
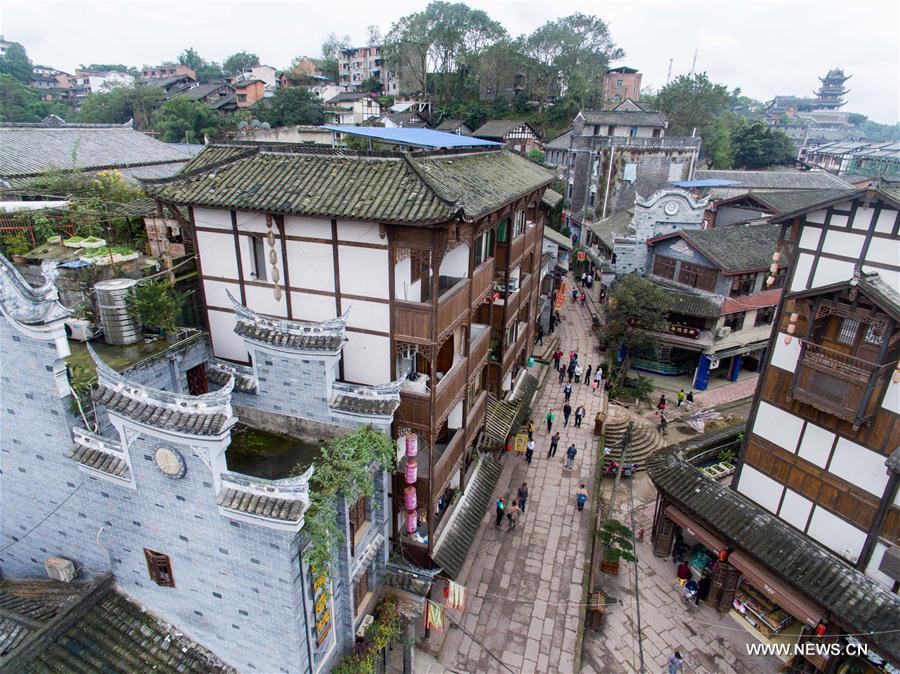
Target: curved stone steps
644 439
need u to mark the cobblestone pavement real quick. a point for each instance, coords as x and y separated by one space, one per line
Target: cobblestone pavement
728 393
524 586
711 643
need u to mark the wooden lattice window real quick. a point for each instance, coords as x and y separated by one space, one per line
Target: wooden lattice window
847 333
697 277
742 284
358 518
360 590
160 568
664 266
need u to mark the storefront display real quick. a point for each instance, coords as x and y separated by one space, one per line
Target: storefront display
759 611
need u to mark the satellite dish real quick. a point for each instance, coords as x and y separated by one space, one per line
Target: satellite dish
265 125
242 126
254 123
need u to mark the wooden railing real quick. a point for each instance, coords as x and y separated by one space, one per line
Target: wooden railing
412 319
478 350
512 303
452 305
482 282
525 286
449 388
511 353
516 246
443 469
837 383
414 410
531 235
475 419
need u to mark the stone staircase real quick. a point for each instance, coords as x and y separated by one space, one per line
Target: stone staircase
644 437
459 533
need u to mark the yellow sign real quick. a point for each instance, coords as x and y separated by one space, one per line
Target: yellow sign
521 442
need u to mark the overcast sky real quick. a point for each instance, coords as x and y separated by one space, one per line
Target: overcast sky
764 47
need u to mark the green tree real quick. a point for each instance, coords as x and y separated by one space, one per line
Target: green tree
636 307
120 104
155 303
206 70
758 146
105 67
237 62
179 120
15 62
18 102
142 101
693 102
573 52
331 49
292 106
371 86
718 142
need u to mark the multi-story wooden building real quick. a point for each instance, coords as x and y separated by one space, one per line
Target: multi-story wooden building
436 257
806 543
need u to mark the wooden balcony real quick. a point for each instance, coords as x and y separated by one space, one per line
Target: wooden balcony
482 282
532 235
516 248
443 468
453 306
475 419
839 384
479 346
511 353
512 304
414 410
526 286
448 390
412 320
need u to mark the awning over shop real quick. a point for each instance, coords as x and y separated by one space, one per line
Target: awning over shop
764 581
706 538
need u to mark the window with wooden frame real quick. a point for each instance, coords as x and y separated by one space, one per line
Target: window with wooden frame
735 321
257 258
848 330
696 276
360 591
742 284
518 224
159 566
358 517
503 230
780 276
664 266
764 316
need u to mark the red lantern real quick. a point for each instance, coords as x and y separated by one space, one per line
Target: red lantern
723 555
409 498
412 471
412 521
412 445
821 628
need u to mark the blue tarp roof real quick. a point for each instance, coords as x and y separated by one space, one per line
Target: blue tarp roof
709 182
414 137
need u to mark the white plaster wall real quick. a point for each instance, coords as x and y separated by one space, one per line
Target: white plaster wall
367 358
217 254
817 217
368 315
785 355
848 244
886 219
860 466
262 299
308 307
246 259
403 289
892 397
884 251
836 534
456 262
832 271
778 426
801 271
360 232
838 220
760 488
215 293
364 271
809 237
315 228
872 569
225 343
863 218
816 444
249 221
218 218
795 509
311 265
455 418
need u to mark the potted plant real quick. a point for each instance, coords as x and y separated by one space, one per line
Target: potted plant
156 303
618 544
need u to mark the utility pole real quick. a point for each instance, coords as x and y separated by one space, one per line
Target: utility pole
669 74
626 440
694 63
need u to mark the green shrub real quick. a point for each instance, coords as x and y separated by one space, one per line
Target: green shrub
155 303
16 244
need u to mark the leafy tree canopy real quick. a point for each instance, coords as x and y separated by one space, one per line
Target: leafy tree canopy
758 146
20 103
120 104
693 102
237 62
15 62
206 70
291 106
179 120
331 49
635 307
105 67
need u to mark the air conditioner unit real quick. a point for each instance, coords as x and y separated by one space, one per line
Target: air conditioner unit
60 568
81 329
724 331
364 625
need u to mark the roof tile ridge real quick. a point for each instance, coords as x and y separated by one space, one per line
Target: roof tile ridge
453 203
206 168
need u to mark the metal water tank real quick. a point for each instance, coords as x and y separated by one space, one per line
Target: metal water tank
119 326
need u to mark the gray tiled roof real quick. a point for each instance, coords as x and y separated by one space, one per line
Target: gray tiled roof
97 459
551 198
158 416
787 201
876 288
203 90
31 151
300 335
624 117
776 180
850 596
276 508
734 249
688 301
615 225
558 238
497 128
560 142
450 125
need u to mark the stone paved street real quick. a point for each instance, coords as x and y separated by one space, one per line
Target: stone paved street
525 585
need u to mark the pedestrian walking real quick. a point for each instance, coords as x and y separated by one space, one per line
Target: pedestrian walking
567 391
663 426
581 298
587 375
573 356
680 397
567 410
552 324
581 497
570 456
675 663
574 295
590 281
557 356
583 278
522 495
531 429
571 371
554 443
513 515
690 397
529 451
579 415
501 506
551 417
562 373
577 373
661 405
540 335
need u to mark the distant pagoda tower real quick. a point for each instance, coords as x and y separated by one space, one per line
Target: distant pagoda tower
830 95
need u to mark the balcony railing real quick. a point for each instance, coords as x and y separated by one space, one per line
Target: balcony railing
838 383
476 416
531 235
449 388
482 282
516 246
480 344
525 286
414 410
452 305
412 320
443 469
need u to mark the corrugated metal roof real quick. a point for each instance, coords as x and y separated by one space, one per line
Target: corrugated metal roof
412 137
